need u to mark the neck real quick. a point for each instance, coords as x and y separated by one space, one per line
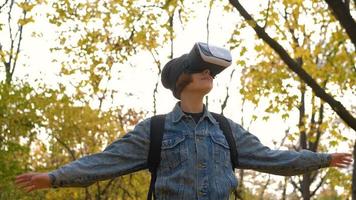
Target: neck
192 103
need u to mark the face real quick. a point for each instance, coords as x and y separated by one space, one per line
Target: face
202 82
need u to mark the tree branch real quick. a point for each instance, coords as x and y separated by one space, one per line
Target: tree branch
290 29
295 67
284 193
66 147
207 20
301 123
267 14
295 185
107 186
155 91
223 105
18 46
354 174
171 17
319 185
3 4
342 13
264 187
312 125
315 145
98 193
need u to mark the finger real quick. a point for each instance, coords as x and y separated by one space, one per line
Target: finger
24 185
22 176
348 154
346 162
30 188
338 165
347 159
341 166
25 175
343 160
19 181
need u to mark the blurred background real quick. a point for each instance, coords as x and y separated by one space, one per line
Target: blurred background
77 75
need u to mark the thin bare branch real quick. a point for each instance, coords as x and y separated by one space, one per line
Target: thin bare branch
284 193
290 29
105 189
3 4
264 187
354 174
223 105
155 91
267 14
66 147
98 193
171 33
322 180
18 45
207 20
295 185
301 123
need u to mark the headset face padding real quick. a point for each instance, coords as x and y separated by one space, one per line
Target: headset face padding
204 56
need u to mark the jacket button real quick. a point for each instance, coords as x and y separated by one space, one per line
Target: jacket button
202 165
201 193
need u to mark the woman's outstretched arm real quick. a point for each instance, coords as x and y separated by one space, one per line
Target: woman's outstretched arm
252 154
126 155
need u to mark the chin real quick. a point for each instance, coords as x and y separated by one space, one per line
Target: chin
206 90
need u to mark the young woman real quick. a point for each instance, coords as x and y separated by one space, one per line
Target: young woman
195 156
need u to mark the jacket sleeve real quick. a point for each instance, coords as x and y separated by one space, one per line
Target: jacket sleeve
254 155
126 155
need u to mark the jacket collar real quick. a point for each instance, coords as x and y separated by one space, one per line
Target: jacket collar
177 114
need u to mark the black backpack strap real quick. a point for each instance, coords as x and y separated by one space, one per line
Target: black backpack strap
154 154
226 129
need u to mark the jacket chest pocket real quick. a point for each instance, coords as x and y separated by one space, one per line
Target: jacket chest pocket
173 152
221 150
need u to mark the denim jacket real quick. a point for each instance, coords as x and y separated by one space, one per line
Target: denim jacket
195 159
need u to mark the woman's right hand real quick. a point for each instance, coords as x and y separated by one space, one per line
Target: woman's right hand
33 181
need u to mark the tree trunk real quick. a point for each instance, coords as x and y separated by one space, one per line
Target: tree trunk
240 187
354 176
284 193
305 186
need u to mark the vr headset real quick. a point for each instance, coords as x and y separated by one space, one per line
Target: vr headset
204 56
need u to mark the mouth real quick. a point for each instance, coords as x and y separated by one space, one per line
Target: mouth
209 78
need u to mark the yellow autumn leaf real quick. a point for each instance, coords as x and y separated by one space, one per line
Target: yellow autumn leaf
41 1
2 56
25 21
298 52
26 6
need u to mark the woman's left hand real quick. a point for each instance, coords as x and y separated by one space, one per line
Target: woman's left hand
341 160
